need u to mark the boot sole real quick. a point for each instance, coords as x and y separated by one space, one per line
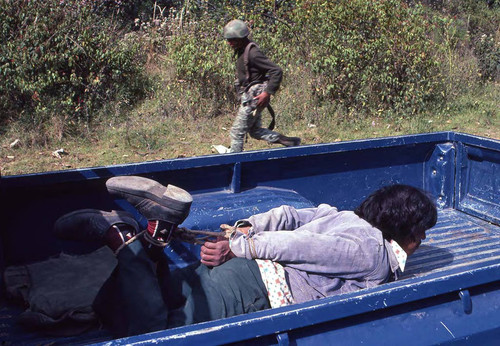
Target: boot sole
170 196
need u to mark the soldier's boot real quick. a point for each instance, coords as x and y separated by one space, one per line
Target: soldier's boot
288 141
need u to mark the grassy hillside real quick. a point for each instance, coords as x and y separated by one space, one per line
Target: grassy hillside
160 85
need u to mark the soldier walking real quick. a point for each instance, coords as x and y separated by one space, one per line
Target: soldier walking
257 78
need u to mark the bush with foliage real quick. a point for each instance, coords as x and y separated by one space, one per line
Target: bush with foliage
62 59
364 55
203 62
467 42
368 55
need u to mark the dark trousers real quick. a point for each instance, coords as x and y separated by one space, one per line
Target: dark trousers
143 296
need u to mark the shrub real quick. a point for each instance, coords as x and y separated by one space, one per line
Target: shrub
487 49
474 25
367 55
203 63
364 56
60 58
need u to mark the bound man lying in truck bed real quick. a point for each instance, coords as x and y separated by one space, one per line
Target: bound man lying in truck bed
276 258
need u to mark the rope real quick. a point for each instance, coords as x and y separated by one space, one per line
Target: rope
128 242
183 234
198 236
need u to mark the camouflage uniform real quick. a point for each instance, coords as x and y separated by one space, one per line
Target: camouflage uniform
255 73
249 120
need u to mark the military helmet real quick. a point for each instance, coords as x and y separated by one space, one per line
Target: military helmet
236 29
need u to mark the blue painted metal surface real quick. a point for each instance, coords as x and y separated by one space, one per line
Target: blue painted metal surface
439 171
478 181
450 293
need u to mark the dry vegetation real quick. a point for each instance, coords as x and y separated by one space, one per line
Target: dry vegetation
181 101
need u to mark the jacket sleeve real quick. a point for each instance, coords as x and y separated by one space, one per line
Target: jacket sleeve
266 66
272 238
287 218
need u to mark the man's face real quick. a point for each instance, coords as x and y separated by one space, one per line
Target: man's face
235 43
410 245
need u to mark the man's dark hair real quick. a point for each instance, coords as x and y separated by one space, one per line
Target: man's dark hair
399 211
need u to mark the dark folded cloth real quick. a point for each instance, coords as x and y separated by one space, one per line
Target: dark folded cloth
59 292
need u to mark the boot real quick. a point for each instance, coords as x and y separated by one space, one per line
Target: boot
288 141
115 228
153 200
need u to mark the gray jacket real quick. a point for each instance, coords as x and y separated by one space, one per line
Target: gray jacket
324 251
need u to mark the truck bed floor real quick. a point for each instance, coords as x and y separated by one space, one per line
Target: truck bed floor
457 241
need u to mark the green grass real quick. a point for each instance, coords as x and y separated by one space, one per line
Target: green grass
176 122
148 133
182 116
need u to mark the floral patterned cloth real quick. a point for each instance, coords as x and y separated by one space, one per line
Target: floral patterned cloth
401 255
273 276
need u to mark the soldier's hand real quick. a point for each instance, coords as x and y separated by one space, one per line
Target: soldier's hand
262 100
216 252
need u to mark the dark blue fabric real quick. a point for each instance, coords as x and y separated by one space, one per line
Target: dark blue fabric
143 296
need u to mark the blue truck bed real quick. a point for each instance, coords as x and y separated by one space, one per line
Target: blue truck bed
450 292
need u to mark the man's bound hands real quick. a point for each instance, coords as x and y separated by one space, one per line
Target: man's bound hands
215 252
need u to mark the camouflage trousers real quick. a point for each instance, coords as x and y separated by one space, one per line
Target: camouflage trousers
249 120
